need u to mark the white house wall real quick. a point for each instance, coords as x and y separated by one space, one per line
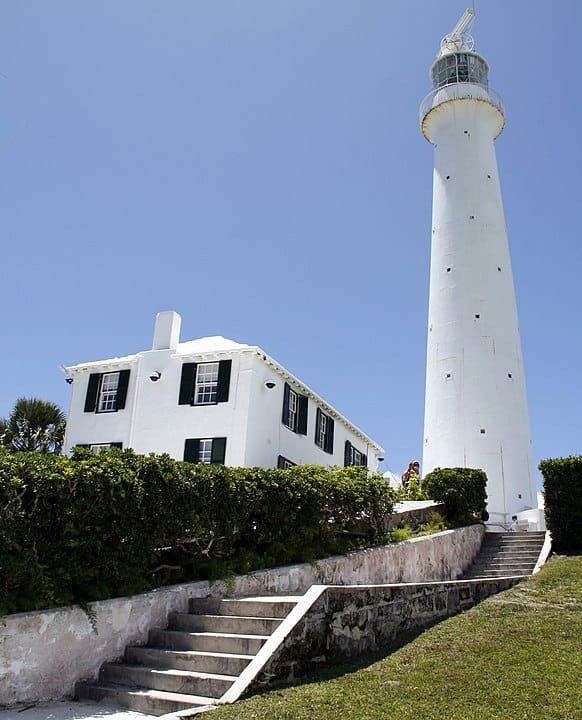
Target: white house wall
251 420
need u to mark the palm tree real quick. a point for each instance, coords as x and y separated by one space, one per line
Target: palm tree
33 426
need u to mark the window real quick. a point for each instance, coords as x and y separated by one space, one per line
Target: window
294 410
352 456
324 431
205 383
284 464
107 392
211 451
97 447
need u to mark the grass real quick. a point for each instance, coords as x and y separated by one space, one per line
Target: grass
516 656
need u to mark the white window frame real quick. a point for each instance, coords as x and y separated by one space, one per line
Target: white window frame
108 387
205 450
322 430
292 417
206 385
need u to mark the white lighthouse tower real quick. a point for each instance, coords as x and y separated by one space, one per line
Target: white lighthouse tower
476 407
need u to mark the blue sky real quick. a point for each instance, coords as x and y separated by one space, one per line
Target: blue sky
257 166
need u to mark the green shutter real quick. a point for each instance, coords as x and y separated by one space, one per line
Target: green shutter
348 454
223 381
192 450
285 415
302 419
186 396
281 462
329 436
364 460
218 451
92 390
116 445
122 389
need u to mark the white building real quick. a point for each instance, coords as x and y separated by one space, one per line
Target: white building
210 400
476 408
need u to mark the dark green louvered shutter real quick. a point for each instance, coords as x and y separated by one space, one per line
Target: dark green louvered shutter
116 445
302 415
329 436
348 454
364 460
218 451
121 396
281 462
285 415
92 390
187 384
192 450
223 381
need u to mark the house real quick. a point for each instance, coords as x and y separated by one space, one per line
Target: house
210 400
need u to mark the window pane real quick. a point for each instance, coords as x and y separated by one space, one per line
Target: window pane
205 452
206 384
108 392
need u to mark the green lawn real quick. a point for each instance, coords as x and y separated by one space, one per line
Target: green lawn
517 655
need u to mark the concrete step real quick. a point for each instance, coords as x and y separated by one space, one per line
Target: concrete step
243 625
151 702
212 641
527 553
195 661
272 607
175 681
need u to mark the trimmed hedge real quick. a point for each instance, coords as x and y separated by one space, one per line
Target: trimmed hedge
462 490
95 526
563 501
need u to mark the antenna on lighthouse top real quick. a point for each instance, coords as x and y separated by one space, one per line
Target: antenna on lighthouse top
459 40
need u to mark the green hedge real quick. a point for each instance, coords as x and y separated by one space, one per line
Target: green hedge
103 525
462 490
563 501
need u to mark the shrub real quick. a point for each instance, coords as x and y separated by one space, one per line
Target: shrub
95 526
461 490
563 501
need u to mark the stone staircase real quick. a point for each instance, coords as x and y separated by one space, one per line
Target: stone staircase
506 554
195 661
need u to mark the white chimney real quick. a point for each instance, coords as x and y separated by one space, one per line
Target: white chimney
167 330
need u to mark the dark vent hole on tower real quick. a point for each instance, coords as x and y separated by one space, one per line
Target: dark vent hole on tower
471 217
477 317
448 376
489 176
448 269
498 268
482 431
509 375
448 177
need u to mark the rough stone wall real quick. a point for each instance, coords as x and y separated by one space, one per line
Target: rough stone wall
44 653
349 621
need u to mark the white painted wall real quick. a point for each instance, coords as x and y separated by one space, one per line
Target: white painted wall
251 420
470 359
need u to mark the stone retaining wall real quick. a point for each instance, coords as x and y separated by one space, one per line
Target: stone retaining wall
348 621
44 653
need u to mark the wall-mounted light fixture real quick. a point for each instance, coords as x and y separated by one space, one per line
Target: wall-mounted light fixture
270 384
69 381
155 375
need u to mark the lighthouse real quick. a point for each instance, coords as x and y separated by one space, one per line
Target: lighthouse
475 405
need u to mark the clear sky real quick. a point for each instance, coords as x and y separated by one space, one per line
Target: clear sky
257 166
